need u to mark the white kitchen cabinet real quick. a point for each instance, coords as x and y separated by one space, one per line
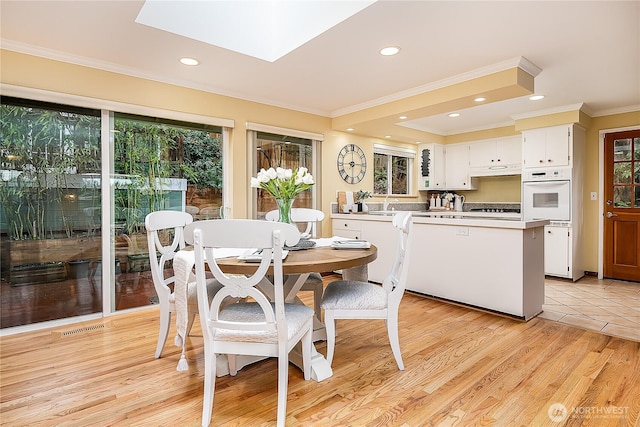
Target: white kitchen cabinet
348 228
382 234
457 168
496 156
557 251
431 171
547 147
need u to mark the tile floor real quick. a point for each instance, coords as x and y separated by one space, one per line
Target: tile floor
608 306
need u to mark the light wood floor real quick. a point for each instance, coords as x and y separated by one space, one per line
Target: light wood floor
463 367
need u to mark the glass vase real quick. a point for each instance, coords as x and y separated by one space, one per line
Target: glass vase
284 210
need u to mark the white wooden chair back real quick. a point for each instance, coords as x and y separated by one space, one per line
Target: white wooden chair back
301 215
248 234
396 282
161 221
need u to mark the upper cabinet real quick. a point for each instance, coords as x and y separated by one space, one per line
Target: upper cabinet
497 156
431 171
456 167
444 167
546 147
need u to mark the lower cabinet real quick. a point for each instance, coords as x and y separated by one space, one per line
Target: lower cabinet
384 236
378 233
347 228
557 251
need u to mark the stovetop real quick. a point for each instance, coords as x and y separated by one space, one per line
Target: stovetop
496 210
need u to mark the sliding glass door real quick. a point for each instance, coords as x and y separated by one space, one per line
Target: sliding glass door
49 211
62 232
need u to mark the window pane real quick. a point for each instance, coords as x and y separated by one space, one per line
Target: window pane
287 152
49 211
622 149
380 173
399 170
622 196
636 148
158 165
622 173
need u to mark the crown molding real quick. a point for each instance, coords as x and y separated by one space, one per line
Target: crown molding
519 62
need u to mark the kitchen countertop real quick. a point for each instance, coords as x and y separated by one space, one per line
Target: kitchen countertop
470 219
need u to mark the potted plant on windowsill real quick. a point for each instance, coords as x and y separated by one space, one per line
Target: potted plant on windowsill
361 196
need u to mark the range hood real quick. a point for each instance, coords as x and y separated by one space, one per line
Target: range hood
497 170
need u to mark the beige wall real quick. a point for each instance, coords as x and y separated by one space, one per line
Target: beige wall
38 73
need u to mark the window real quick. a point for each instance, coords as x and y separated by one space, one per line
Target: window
275 147
392 168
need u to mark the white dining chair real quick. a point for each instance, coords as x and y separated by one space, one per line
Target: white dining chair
345 299
163 227
257 326
309 218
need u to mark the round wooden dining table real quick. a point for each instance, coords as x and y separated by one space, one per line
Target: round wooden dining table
314 260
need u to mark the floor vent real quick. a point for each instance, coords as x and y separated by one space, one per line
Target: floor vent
78 331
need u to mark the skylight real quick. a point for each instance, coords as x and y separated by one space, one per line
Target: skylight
263 29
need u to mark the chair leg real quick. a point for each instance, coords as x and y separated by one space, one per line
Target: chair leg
394 339
209 386
192 318
330 325
231 361
307 349
283 383
165 324
317 300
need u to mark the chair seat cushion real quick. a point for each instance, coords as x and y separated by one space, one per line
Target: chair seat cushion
296 314
353 295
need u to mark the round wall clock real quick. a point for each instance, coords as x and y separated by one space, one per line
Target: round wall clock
352 164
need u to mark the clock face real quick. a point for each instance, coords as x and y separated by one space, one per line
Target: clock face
352 164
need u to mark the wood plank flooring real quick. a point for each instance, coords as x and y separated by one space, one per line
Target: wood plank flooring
463 367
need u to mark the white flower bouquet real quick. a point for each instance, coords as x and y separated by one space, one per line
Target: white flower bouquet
283 183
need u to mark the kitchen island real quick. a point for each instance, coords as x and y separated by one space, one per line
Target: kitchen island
491 263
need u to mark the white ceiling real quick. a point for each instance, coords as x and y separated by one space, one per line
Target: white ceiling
588 51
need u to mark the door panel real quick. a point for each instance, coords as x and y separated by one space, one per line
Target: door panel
622 205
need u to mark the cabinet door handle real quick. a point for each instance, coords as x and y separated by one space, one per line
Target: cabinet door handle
549 160
541 161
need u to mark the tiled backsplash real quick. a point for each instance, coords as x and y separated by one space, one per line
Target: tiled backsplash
422 206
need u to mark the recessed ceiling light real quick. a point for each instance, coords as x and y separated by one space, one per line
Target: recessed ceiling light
453 114
387 136
536 97
480 99
350 129
389 51
402 117
189 61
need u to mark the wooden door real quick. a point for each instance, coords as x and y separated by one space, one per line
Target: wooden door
622 205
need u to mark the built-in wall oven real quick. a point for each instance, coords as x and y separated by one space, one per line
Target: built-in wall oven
546 194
